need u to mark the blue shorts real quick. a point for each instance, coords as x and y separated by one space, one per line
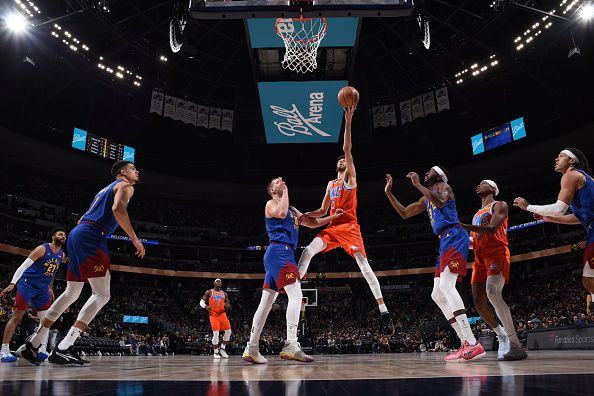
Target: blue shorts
280 266
454 243
87 253
28 296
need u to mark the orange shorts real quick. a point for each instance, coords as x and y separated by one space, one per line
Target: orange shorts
219 322
490 261
345 235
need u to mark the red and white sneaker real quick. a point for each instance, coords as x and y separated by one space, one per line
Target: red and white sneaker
456 356
472 352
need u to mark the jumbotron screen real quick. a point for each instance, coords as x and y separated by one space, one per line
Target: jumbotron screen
498 136
103 147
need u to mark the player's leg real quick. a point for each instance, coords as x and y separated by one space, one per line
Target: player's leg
292 350
65 300
315 247
100 295
251 353
447 284
588 270
226 328
442 302
215 343
11 325
43 354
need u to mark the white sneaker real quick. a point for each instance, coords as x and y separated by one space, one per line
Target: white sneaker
7 357
292 351
252 354
223 354
504 346
216 354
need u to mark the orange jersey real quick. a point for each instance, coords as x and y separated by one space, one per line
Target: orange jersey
481 241
343 197
216 302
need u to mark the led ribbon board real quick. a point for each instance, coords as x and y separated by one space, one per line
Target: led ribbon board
301 112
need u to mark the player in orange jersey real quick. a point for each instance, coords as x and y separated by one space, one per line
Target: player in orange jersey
216 302
491 269
344 232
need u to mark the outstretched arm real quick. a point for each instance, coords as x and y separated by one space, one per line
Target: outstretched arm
499 215
404 211
313 222
568 219
347 145
35 255
439 197
325 205
569 184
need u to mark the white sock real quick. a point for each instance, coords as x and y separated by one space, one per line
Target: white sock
500 331
456 327
223 346
295 296
40 336
70 338
383 308
268 298
5 348
465 329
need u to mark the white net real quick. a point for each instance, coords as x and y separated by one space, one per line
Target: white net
302 37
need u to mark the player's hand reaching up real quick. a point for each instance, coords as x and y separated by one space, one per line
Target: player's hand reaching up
389 183
414 178
7 290
348 113
139 247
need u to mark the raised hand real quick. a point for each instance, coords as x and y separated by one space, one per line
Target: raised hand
521 203
389 183
414 178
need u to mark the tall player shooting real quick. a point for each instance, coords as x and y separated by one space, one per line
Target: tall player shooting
35 280
439 202
216 302
89 261
344 232
491 269
577 193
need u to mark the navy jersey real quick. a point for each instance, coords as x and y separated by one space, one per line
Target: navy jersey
582 205
285 230
41 273
442 218
100 210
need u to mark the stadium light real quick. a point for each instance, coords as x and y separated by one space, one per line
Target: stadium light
587 12
16 22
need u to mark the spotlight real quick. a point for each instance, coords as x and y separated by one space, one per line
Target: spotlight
16 22
587 12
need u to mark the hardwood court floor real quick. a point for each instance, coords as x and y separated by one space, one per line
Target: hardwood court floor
543 373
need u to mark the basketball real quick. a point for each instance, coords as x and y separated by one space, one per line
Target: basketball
348 96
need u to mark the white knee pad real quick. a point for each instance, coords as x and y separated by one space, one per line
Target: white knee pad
41 315
587 272
100 297
447 285
441 300
369 275
227 335
64 300
215 338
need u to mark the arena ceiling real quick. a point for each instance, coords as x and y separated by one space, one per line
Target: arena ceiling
49 87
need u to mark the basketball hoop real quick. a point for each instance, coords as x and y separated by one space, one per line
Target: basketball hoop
302 37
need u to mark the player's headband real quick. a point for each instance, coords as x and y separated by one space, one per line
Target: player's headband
440 173
570 155
218 280
492 184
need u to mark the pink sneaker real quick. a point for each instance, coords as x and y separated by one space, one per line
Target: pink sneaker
456 356
472 352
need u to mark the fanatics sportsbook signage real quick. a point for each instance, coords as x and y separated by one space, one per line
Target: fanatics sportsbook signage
562 338
301 112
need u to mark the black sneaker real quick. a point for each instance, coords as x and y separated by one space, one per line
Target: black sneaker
66 357
30 354
388 328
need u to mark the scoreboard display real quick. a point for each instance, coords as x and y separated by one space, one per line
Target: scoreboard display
103 147
498 136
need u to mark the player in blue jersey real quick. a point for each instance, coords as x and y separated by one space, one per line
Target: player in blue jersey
577 194
439 201
89 262
282 227
34 280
